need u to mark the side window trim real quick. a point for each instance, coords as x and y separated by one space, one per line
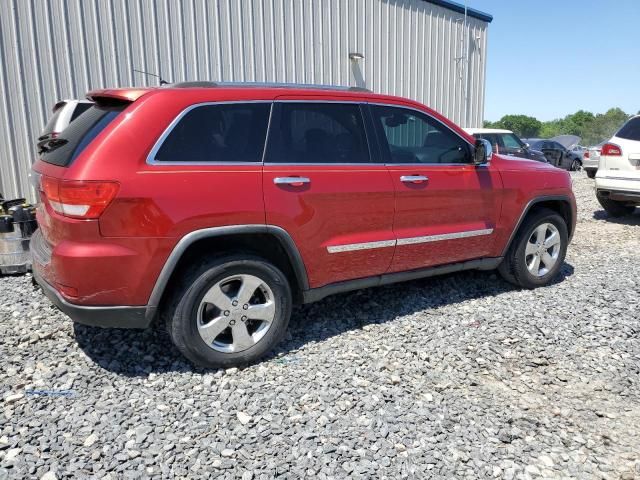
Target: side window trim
151 157
374 155
382 137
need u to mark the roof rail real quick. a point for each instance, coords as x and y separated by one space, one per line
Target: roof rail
208 84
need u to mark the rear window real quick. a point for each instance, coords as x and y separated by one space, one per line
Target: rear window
630 130
51 124
79 110
64 149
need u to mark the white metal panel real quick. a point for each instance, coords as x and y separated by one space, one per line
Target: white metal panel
56 49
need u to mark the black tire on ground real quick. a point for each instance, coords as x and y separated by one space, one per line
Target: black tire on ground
591 173
576 165
514 268
182 312
614 208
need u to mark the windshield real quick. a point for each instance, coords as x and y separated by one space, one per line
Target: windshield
64 149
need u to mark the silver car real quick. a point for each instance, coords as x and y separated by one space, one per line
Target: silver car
591 159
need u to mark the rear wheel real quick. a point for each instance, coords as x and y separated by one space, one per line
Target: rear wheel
576 165
615 208
591 173
538 250
230 311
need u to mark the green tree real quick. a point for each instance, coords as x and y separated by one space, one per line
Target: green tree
521 125
593 129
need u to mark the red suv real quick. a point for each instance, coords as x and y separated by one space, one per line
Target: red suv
215 207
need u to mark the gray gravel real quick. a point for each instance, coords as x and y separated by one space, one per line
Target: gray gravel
458 376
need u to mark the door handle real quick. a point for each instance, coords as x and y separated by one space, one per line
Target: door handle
413 178
293 181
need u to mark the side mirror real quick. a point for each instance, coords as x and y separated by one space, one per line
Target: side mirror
483 152
527 145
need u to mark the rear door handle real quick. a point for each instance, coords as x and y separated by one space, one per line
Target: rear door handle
413 178
293 181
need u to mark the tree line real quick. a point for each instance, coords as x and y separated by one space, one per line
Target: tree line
593 128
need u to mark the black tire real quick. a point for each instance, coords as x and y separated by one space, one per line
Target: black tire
575 165
614 208
514 268
591 173
195 282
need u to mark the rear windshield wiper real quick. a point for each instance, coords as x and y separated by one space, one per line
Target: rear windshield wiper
52 144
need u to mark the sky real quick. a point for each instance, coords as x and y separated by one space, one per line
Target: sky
549 58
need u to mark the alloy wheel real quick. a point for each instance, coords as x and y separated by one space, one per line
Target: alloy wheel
543 249
236 313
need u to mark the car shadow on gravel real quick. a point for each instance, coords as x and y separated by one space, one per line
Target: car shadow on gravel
137 353
633 219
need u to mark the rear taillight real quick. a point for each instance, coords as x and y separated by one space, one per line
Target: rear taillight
611 150
78 198
586 154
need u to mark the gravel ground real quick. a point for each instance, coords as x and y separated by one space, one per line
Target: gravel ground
452 377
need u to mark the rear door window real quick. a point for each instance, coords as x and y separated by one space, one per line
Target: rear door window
233 133
318 133
65 148
630 130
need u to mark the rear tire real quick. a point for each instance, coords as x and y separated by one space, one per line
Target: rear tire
538 250
591 173
576 165
229 311
614 208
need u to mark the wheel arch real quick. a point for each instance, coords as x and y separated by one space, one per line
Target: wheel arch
560 204
268 241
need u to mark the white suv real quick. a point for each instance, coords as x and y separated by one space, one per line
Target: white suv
618 177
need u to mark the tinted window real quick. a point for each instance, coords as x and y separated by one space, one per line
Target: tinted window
218 133
318 133
511 141
51 124
79 110
630 130
417 138
501 140
64 149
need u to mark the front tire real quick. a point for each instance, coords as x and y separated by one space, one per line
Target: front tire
538 250
615 209
230 311
591 173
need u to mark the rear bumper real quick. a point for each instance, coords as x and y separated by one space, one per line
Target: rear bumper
108 317
619 188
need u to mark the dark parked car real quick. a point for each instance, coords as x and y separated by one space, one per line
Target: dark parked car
557 154
506 142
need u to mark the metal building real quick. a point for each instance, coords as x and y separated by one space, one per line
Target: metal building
428 50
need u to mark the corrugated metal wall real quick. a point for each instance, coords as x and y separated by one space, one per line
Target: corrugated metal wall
56 49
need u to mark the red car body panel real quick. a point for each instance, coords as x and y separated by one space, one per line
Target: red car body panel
454 199
117 259
341 205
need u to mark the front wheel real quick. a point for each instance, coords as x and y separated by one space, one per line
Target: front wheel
538 250
591 173
230 312
576 165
